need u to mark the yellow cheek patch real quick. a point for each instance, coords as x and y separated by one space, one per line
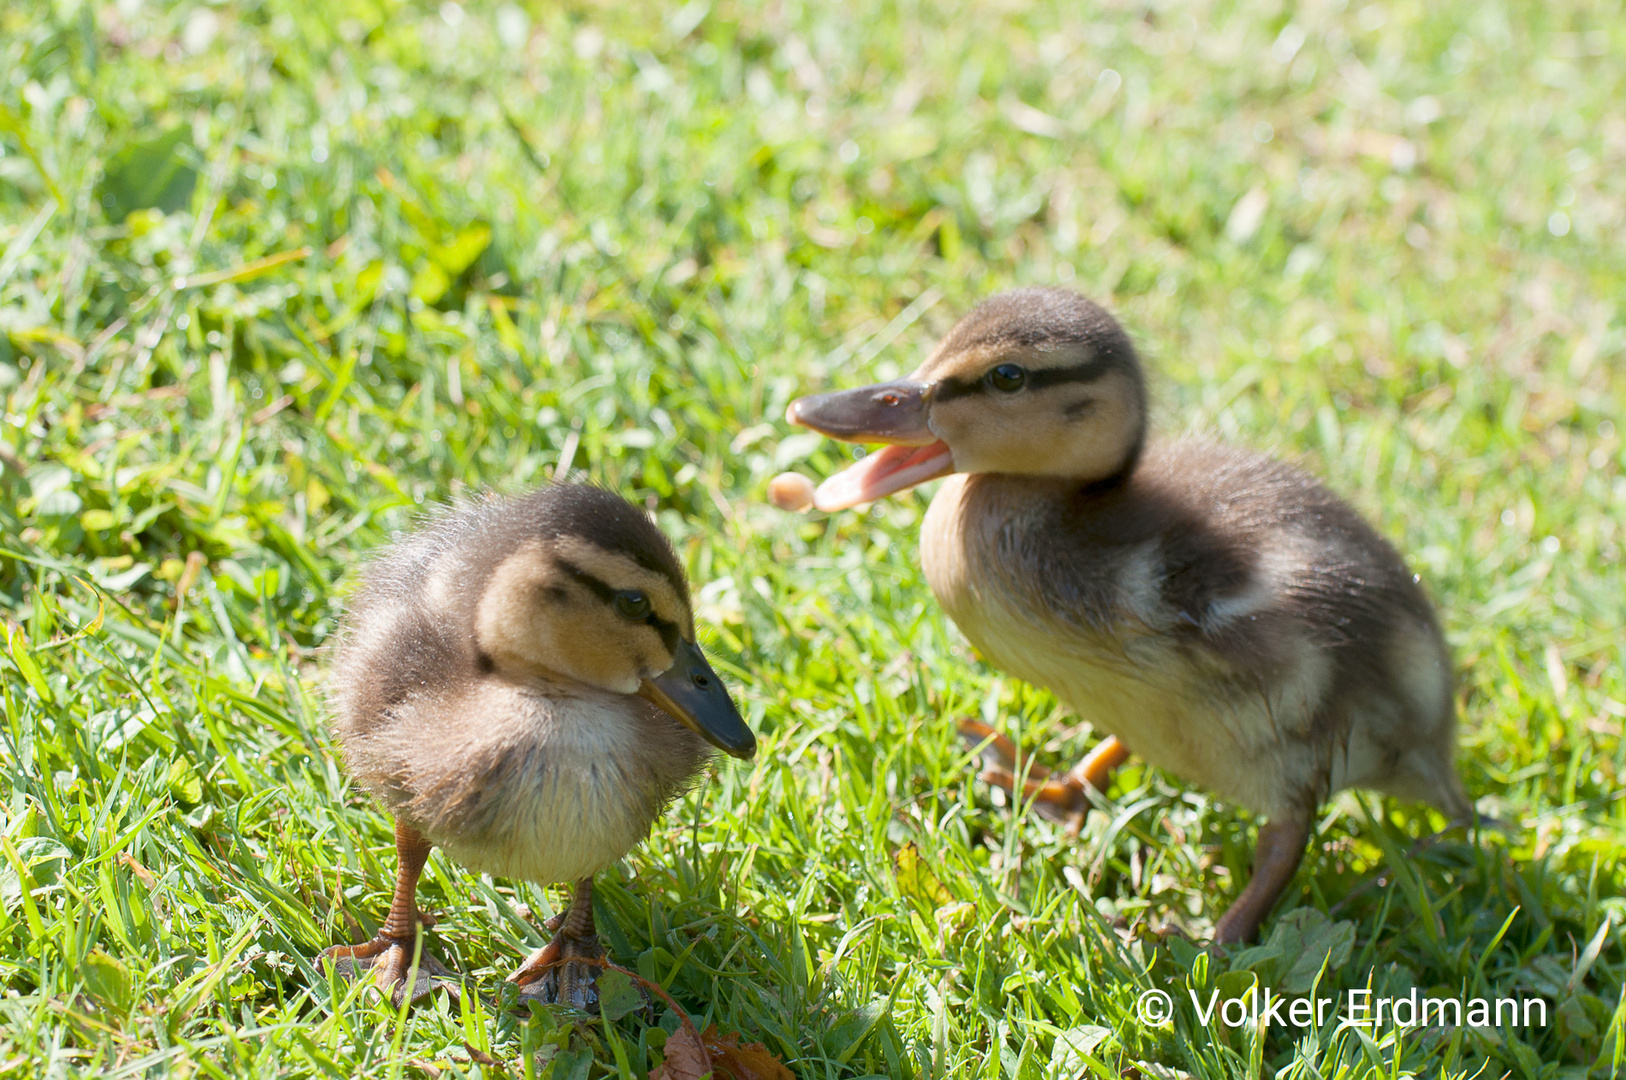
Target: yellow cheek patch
520 628
607 654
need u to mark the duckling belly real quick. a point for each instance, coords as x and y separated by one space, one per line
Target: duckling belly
1185 715
564 816
519 786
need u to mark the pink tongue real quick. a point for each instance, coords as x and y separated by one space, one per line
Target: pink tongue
889 469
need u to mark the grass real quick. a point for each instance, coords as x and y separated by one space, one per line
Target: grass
271 282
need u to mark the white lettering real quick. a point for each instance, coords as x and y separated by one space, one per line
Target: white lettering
1359 1011
1410 1004
1440 1005
1207 1017
1272 1010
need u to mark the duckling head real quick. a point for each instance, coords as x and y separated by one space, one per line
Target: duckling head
1036 382
592 594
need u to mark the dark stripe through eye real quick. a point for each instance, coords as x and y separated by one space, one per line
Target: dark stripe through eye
629 603
1008 378
598 588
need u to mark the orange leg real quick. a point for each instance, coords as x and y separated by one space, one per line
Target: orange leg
1097 767
389 954
1281 848
1060 797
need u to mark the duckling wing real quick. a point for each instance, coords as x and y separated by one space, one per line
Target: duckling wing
1326 607
1226 550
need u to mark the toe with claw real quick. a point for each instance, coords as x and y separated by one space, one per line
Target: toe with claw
554 975
389 960
565 971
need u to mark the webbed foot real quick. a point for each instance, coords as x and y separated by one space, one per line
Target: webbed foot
389 960
389 955
551 975
565 971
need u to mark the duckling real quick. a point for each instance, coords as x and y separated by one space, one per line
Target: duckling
1217 612
519 683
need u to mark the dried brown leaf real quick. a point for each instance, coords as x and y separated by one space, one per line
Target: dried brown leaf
686 1057
751 1061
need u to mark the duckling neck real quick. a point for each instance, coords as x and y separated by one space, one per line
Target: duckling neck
1119 477
987 540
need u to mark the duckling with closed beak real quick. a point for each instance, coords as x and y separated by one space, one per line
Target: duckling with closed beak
519 683
1215 611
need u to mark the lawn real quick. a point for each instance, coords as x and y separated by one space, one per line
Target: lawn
273 282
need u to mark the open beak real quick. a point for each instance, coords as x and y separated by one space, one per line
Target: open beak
693 693
892 413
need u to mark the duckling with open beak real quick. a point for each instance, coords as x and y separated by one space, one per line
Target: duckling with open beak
1217 612
519 684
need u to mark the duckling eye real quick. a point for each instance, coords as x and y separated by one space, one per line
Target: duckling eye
632 604
1007 378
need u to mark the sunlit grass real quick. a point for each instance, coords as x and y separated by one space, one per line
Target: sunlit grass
274 278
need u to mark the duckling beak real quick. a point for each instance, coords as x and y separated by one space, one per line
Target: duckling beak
690 691
894 413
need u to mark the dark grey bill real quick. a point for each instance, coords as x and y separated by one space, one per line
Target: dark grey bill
693 693
893 412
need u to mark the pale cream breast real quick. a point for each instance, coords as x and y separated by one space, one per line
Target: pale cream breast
541 787
581 801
